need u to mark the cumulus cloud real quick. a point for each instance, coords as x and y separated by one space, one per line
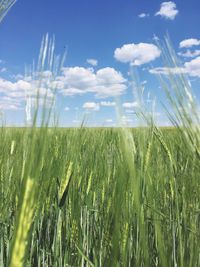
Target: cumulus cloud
9 103
106 82
168 10
189 43
14 94
14 89
103 83
137 54
191 68
91 106
143 15
189 53
92 61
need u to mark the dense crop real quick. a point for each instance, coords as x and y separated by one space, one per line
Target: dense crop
98 197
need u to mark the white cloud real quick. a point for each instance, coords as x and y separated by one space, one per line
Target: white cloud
106 82
20 90
8 106
9 103
168 10
109 76
92 61
189 53
67 109
191 68
77 77
137 54
130 105
107 104
72 91
143 15
14 88
91 106
46 74
167 70
189 43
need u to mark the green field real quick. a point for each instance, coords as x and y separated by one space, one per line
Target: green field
98 197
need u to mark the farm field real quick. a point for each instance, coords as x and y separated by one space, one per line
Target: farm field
98 197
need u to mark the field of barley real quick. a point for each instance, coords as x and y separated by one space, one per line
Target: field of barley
98 197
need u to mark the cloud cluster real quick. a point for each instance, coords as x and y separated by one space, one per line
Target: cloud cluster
103 83
168 10
9 103
106 82
192 68
13 94
187 43
137 54
95 106
189 53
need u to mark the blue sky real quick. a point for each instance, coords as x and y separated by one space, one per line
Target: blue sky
103 39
